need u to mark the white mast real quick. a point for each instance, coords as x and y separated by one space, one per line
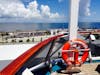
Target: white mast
73 21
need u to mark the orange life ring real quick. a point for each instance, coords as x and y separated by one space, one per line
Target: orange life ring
75 45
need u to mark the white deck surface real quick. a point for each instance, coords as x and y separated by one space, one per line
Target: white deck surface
10 52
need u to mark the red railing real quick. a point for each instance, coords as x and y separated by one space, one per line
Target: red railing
13 67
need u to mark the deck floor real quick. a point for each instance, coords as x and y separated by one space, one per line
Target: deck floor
86 69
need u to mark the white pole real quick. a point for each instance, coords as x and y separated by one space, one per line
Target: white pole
73 21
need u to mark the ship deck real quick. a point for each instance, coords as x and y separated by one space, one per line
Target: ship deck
86 69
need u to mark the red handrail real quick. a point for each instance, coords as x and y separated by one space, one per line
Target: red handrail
13 67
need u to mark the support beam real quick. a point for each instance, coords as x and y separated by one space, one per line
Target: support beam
73 21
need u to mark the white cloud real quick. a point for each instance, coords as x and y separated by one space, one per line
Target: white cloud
84 9
54 15
45 11
14 8
33 10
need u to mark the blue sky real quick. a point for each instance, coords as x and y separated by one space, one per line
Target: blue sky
46 11
90 11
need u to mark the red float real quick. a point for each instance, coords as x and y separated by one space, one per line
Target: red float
70 52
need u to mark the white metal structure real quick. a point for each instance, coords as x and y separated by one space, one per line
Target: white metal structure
73 19
73 24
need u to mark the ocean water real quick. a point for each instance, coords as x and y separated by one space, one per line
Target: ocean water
89 25
44 26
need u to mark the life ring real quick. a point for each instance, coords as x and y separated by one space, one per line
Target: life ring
74 46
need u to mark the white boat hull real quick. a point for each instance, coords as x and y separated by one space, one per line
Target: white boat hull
11 52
